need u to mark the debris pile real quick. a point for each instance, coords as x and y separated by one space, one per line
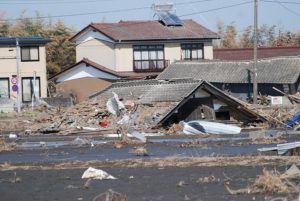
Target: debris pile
94 115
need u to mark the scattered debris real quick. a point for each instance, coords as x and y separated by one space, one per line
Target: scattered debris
291 149
140 151
71 187
15 179
114 105
110 195
208 179
6 146
194 143
12 136
294 119
87 184
138 135
87 128
92 173
181 183
206 127
81 141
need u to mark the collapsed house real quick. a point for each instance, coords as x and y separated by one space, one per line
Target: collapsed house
175 100
237 76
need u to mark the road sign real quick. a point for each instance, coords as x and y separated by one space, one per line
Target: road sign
14 80
15 88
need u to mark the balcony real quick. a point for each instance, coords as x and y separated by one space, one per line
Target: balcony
150 65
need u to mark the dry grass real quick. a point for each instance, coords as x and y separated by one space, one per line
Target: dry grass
7 146
270 182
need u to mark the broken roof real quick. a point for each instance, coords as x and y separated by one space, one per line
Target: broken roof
281 70
148 91
175 93
150 30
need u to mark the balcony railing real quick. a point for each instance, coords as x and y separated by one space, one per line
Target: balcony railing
150 65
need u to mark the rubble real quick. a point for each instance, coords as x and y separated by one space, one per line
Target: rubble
92 173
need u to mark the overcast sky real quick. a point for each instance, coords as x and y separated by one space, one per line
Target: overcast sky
79 13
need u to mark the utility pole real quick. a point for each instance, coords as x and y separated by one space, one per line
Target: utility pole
255 55
18 76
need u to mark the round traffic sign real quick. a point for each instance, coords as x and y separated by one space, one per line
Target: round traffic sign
15 88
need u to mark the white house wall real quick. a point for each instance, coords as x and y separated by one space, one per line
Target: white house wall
98 51
89 34
82 71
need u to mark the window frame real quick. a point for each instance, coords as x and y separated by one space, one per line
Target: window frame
24 78
29 47
189 46
149 49
8 85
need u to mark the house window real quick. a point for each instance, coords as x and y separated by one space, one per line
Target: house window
148 57
192 51
29 88
4 88
29 53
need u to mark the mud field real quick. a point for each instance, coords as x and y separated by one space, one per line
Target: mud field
177 168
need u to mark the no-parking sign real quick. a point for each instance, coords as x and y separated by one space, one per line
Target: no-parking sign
14 80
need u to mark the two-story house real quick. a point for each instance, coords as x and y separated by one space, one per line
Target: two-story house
135 49
32 64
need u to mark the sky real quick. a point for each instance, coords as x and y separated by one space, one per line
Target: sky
284 14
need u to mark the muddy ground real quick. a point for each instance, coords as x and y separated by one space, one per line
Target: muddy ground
177 168
167 184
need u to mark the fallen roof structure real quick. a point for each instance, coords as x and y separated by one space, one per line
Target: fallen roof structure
177 100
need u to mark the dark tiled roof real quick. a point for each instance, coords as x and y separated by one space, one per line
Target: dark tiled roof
148 91
247 53
151 30
23 40
281 70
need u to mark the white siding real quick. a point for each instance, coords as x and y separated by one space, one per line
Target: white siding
82 71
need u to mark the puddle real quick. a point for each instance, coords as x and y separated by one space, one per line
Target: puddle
53 144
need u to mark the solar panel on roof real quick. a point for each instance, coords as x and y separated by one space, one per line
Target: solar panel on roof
169 19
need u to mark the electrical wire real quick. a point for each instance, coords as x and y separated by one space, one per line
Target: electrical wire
281 3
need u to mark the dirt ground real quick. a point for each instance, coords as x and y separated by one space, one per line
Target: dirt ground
166 179
138 184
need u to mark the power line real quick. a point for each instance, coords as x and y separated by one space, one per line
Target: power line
52 2
79 14
129 9
281 3
215 9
